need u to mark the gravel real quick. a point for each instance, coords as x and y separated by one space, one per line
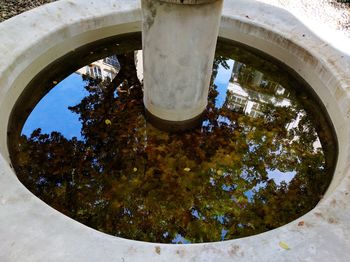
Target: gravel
344 7
332 13
10 8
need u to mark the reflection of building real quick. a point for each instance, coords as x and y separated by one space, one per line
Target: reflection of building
106 68
248 91
139 64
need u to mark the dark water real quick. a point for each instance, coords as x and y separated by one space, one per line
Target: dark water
263 156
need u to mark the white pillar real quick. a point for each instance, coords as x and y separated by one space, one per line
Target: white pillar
179 39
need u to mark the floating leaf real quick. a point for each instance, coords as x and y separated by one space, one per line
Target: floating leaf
284 245
251 226
108 122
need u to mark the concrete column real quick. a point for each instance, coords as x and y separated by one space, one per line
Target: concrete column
179 39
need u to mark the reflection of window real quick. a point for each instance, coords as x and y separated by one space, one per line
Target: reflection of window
108 74
111 60
237 108
256 106
239 100
95 71
280 90
254 113
236 102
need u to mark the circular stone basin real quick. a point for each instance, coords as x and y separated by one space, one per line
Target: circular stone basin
28 224
263 156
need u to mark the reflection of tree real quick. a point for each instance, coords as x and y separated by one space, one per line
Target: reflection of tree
129 179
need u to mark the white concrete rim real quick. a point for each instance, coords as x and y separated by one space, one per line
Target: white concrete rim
32 231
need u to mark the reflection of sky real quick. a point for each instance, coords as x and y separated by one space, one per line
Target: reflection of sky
222 81
179 239
52 113
277 176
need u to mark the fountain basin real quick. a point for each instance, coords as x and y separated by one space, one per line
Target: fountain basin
33 231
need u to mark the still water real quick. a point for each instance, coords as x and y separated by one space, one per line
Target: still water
262 157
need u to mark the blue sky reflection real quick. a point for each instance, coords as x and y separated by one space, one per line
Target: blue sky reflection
52 113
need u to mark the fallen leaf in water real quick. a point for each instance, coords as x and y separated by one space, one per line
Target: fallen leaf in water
251 225
187 169
284 245
108 122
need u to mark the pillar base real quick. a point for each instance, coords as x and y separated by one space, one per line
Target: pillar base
179 40
174 126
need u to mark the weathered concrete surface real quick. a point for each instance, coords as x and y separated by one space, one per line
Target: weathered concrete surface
32 231
178 52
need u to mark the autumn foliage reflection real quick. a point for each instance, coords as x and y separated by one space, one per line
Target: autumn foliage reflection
216 182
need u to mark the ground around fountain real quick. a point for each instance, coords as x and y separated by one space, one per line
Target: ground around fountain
334 14
10 8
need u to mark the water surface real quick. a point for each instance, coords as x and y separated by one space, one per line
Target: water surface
262 157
